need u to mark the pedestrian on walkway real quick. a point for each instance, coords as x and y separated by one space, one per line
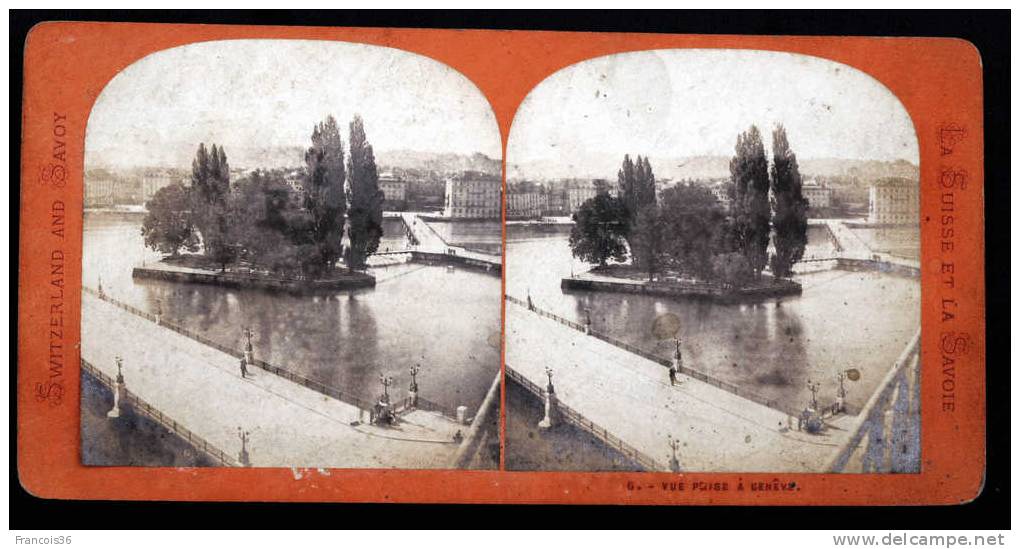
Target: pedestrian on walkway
244 368
672 374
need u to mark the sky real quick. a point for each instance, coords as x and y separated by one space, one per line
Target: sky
678 103
270 93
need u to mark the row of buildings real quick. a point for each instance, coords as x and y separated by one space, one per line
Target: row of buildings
104 188
890 202
469 195
525 200
476 195
394 188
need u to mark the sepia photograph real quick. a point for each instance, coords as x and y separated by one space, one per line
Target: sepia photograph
292 253
712 265
321 261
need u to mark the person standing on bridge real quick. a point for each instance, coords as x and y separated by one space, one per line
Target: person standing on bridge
244 368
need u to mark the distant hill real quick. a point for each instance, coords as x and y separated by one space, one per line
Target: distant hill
439 162
705 167
293 156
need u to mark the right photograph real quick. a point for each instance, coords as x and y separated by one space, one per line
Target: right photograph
712 265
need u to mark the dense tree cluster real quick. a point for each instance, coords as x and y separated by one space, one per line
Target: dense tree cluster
169 227
687 231
266 221
600 230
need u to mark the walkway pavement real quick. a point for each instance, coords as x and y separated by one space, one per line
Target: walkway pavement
290 425
631 397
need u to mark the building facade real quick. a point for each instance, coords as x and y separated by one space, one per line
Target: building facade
99 191
556 200
721 191
394 191
578 194
473 195
894 202
153 181
526 205
817 195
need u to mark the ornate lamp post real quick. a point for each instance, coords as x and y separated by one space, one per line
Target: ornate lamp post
810 418
677 364
550 418
678 357
841 393
386 381
674 462
249 352
383 413
242 456
118 389
413 389
813 387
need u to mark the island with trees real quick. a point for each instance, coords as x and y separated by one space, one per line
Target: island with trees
270 229
683 242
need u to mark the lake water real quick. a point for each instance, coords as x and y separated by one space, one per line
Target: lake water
899 241
843 320
448 320
481 236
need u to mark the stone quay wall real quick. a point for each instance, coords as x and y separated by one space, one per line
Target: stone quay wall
714 292
347 281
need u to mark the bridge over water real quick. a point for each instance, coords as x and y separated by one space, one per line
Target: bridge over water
625 399
195 389
430 247
850 251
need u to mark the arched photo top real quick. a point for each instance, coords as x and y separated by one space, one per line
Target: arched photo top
685 107
261 98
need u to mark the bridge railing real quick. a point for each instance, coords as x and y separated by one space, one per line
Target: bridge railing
433 231
662 361
435 258
580 421
341 394
886 433
159 417
408 231
404 405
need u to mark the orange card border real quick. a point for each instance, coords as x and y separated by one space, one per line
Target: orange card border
66 65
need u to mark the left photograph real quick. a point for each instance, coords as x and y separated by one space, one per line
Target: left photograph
292 254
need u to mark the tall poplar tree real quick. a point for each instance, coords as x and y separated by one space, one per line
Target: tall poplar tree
645 184
210 181
636 184
364 196
324 194
751 210
789 206
202 190
626 180
647 240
